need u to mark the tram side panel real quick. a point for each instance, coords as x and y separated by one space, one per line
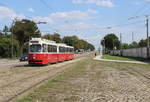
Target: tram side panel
38 58
52 57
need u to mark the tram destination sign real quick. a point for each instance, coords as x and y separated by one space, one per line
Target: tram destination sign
34 41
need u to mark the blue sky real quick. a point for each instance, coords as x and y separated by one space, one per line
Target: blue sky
88 19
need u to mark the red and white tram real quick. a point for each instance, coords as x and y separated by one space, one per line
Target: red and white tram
42 51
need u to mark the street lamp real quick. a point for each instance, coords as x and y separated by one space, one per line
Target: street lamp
41 22
12 46
103 46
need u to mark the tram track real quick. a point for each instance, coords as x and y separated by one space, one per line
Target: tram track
13 73
24 84
140 73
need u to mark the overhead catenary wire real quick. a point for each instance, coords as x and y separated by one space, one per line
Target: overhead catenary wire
135 15
141 9
51 9
48 6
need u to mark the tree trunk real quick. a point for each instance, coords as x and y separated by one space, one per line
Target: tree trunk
21 50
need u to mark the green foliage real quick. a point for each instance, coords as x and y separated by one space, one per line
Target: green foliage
5 47
55 37
125 46
77 43
142 43
23 30
71 41
133 45
6 30
111 41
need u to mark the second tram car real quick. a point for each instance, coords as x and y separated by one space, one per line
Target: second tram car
42 51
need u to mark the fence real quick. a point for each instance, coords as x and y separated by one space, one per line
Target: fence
133 52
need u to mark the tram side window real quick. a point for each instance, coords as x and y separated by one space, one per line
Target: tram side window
49 48
54 48
71 50
60 49
67 50
64 49
44 48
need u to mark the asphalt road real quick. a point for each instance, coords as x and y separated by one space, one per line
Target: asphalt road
7 63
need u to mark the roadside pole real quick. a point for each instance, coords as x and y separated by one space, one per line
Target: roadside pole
147 30
120 44
104 45
113 47
12 42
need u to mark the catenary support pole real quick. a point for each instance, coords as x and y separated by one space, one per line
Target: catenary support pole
147 30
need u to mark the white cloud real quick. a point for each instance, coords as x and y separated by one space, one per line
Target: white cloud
107 3
43 19
77 1
72 15
30 9
80 27
147 0
137 3
93 38
7 13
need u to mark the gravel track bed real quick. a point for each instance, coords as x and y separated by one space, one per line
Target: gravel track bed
17 81
102 82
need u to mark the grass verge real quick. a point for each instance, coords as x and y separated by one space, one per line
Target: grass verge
110 57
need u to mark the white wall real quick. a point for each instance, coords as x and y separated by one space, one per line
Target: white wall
134 52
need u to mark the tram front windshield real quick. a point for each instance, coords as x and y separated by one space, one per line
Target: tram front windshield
35 48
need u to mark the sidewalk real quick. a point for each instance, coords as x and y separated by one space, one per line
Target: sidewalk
99 57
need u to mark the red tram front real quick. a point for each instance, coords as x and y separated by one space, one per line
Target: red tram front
42 51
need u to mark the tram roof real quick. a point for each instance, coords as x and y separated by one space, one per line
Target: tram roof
41 40
64 45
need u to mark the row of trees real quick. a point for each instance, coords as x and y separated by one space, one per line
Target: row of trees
70 40
112 42
23 30
141 43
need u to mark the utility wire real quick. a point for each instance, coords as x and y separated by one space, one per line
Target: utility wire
51 9
135 16
48 6
141 9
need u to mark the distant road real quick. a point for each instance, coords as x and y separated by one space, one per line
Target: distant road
7 63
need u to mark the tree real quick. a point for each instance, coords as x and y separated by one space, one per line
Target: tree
91 47
77 43
133 45
5 47
23 30
6 30
70 40
125 46
111 41
55 37
1 34
142 43
47 36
